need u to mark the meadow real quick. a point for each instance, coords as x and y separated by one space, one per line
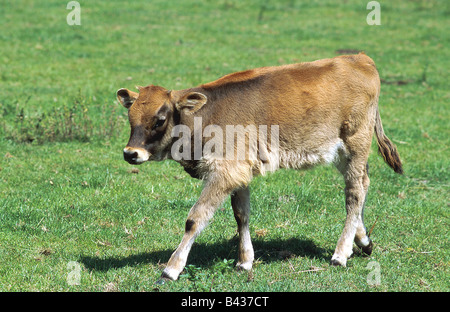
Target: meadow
75 217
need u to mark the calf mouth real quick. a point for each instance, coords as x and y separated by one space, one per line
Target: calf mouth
135 156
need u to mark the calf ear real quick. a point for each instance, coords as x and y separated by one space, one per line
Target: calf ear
191 102
126 97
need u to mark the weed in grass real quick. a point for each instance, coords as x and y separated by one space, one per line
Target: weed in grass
206 280
74 122
195 275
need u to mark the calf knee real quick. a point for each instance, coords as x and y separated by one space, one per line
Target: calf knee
190 224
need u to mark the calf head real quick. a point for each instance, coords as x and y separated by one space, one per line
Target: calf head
152 114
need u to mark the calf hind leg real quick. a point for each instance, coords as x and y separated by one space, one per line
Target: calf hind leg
240 201
356 186
362 239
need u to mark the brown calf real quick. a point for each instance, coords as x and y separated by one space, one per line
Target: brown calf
313 113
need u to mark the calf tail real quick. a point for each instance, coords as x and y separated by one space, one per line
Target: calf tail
386 148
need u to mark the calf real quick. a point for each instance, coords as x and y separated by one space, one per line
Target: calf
312 113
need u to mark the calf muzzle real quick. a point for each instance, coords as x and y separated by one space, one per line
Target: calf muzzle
135 156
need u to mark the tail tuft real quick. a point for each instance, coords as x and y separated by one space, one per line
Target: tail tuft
386 148
389 152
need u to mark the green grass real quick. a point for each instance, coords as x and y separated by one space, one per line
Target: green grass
66 194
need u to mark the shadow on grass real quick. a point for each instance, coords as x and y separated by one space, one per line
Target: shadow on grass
205 255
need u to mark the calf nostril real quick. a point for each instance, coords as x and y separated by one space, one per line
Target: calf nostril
127 155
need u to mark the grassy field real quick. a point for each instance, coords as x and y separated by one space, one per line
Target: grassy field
75 217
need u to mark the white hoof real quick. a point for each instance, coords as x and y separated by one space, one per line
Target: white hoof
171 274
337 260
247 266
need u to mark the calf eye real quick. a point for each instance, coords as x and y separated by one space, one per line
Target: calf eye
159 123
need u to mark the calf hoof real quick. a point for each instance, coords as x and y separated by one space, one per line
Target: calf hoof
245 266
367 249
338 261
365 246
161 281
167 275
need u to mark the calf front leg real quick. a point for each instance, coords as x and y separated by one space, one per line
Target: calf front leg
213 194
240 201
